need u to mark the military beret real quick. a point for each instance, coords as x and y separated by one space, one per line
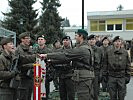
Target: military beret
90 37
23 35
116 38
82 31
66 37
105 38
40 36
5 41
56 41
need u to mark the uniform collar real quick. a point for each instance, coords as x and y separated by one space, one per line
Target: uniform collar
24 47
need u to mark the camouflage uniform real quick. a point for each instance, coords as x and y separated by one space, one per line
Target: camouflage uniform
104 68
6 75
83 73
118 72
26 87
131 50
66 84
97 69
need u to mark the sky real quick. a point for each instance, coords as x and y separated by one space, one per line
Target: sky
72 9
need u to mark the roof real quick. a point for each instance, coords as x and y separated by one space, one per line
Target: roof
110 14
5 33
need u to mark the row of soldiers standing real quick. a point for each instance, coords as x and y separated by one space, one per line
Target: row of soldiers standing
79 68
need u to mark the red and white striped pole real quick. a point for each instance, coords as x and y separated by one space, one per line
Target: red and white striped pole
37 81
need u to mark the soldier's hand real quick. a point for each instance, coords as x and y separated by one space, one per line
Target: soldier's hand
43 56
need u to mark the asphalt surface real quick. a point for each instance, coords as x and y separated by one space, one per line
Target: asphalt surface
129 95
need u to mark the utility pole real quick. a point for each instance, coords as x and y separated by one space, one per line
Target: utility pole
82 14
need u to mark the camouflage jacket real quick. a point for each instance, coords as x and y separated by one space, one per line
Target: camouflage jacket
80 56
118 62
6 62
25 51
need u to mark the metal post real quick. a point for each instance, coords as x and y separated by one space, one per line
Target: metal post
21 24
82 14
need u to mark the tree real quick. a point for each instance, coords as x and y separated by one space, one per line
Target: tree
50 21
66 23
120 8
21 17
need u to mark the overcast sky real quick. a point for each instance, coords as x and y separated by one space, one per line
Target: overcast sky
72 9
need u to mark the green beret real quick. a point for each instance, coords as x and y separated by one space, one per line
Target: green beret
5 41
82 31
116 38
66 37
23 35
91 37
40 36
105 38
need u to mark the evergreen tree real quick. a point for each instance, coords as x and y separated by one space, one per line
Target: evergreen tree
66 23
50 21
21 17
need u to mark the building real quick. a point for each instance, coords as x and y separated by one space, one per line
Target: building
6 33
111 23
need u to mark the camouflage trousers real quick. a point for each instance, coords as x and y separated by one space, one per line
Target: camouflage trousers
8 94
84 89
117 88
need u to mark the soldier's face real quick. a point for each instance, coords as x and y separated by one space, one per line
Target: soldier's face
57 45
118 43
41 41
9 47
92 41
66 42
106 42
78 38
26 40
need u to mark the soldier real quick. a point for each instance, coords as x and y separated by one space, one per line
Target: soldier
105 47
41 48
82 62
6 75
131 50
66 84
56 47
7 59
97 64
26 87
118 64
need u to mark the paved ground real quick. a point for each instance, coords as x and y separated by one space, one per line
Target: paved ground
129 95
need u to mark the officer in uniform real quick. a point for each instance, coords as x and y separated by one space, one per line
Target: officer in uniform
41 49
105 47
6 75
118 64
7 61
97 64
82 62
66 84
26 87
56 47
131 50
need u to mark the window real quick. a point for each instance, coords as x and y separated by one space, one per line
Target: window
129 24
114 24
97 25
94 26
110 27
118 26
